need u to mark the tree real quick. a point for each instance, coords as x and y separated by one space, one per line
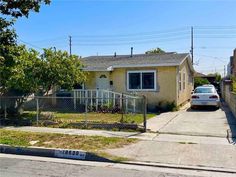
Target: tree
60 69
16 69
38 74
200 81
8 46
33 73
19 8
24 71
155 51
15 9
218 77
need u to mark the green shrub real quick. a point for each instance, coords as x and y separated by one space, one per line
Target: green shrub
166 106
234 84
200 81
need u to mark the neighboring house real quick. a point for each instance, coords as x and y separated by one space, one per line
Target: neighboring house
231 68
210 77
160 77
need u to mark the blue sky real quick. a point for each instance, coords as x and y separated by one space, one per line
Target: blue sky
104 27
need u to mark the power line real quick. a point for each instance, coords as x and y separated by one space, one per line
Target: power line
178 30
215 27
134 40
162 36
32 45
217 58
130 42
50 39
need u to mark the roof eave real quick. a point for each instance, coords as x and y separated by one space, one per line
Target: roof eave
105 69
145 65
189 62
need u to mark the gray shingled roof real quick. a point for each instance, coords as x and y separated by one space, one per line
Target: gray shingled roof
106 63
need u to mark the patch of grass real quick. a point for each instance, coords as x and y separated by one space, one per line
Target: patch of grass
93 117
112 157
76 120
53 140
101 117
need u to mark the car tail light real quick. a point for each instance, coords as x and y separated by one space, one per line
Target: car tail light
213 97
195 97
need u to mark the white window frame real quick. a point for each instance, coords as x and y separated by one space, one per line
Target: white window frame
180 81
141 80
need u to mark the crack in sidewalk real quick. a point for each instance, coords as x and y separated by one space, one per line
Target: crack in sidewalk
168 122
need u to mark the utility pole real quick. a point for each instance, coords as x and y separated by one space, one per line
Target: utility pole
70 43
224 71
192 43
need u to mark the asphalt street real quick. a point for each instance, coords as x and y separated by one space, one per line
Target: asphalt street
11 167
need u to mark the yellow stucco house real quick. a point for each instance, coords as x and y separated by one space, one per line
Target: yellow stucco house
160 77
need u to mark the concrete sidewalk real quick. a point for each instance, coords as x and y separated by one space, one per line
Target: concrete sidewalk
184 152
105 133
187 150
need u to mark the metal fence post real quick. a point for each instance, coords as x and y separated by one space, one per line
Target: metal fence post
75 99
86 111
122 108
145 113
37 111
134 105
96 100
5 109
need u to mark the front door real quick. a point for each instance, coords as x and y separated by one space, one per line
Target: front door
103 82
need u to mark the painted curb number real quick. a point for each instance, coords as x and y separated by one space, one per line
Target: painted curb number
72 154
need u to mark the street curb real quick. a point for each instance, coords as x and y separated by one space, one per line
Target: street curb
87 156
184 167
51 152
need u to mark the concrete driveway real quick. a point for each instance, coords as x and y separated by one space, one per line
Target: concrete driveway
199 122
188 137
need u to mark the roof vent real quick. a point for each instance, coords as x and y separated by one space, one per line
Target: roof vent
131 54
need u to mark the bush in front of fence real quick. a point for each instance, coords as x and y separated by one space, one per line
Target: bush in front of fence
166 106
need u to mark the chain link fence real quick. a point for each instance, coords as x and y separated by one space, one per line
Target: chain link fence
86 111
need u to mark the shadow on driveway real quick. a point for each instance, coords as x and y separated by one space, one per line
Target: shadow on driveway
202 109
231 121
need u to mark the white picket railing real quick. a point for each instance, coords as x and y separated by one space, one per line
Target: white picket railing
99 97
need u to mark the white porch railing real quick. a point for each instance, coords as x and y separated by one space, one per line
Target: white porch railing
98 97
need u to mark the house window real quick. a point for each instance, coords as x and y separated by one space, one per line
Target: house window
180 82
184 81
141 80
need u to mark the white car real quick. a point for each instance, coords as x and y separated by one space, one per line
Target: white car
205 96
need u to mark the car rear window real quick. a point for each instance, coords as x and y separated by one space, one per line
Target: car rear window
204 90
